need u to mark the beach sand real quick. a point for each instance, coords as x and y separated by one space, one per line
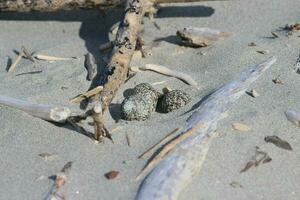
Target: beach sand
74 33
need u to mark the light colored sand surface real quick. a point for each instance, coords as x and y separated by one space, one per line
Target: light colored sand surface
23 137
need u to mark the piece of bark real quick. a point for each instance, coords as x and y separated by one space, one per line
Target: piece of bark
45 112
201 37
61 179
168 72
90 66
277 141
180 165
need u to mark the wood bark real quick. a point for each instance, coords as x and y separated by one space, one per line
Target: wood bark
172 174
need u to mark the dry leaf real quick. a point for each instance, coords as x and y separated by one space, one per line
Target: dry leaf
240 127
278 142
249 164
112 174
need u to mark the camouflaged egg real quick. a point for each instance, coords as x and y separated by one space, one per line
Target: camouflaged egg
141 104
174 100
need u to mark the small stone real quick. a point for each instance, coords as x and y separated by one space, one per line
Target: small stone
240 127
174 100
112 174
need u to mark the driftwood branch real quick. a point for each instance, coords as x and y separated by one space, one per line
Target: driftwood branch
45 112
54 5
172 174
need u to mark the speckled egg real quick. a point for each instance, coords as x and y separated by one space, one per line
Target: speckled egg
174 100
141 103
146 89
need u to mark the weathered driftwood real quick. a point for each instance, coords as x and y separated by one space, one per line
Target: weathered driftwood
201 37
172 174
54 5
168 72
45 112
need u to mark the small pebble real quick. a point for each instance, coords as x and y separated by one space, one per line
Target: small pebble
112 175
174 100
253 93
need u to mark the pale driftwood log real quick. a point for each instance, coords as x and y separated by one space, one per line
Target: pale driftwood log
172 174
201 37
168 72
54 5
45 112
51 58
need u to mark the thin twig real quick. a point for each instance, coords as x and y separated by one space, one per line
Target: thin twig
159 143
166 149
14 65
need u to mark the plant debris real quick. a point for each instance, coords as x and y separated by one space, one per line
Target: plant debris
60 180
17 61
90 66
257 159
27 54
51 58
112 174
252 44
275 35
297 65
240 127
159 143
86 95
48 156
253 93
262 51
127 140
278 142
235 184
277 81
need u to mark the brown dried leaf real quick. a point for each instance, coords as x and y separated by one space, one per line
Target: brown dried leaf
278 142
240 127
112 174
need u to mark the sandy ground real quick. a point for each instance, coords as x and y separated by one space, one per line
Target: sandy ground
23 137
